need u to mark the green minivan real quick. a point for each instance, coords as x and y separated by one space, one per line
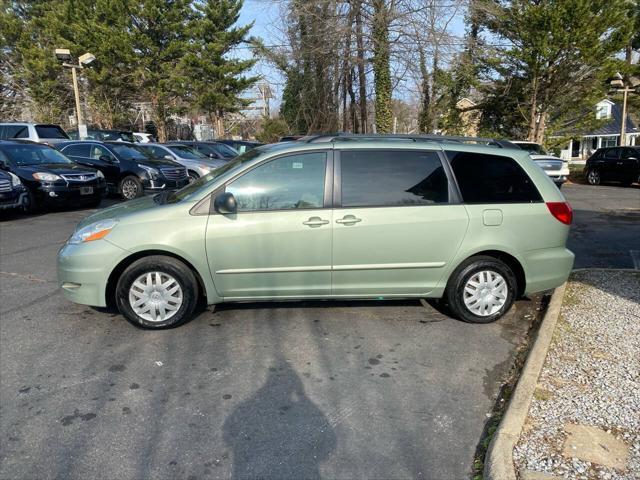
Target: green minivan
342 217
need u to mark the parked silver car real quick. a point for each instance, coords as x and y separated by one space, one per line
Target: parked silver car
197 163
36 132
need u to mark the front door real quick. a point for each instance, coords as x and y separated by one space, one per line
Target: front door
396 228
279 242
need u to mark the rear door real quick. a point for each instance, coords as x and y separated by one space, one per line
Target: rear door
630 164
610 166
397 223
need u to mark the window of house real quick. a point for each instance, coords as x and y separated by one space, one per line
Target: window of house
392 178
603 111
609 142
486 178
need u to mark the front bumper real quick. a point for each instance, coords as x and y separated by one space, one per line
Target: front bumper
160 184
14 199
70 193
84 269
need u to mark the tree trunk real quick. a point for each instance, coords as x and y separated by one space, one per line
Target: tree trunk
362 78
533 114
381 66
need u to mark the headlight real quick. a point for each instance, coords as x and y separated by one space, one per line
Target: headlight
15 181
93 231
46 177
153 173
99 174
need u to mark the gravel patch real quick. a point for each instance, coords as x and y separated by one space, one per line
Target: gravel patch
591 376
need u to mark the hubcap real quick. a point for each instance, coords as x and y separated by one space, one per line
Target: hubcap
155 296
129 189
485 293
593 177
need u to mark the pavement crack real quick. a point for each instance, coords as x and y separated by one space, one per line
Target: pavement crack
28 276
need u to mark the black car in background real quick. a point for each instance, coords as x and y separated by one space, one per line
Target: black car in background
49 177
128 171
12 193
240 146
211 149
614 164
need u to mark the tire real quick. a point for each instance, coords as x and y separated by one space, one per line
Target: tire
193 176
593 177
143 275
460 286
131 187
32 205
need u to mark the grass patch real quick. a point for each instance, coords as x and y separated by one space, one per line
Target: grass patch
542 394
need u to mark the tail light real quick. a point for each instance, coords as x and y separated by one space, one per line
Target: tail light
562 211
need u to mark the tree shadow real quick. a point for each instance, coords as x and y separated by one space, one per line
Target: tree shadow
278 432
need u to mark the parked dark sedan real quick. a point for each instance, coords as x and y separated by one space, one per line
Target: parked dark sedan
50 177
12 193
240 145
211 149
129 172
616 164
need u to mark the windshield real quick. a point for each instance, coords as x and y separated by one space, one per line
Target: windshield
202 182
127 152
186 152
24 155
50 131
226 150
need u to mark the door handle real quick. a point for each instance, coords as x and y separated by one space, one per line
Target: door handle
348 220
315 222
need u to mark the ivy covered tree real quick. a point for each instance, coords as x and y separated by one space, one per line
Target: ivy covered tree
382 15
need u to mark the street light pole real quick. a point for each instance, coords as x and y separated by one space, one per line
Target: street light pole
76 94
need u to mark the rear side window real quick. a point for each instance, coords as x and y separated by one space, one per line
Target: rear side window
611 154
14 131
486 178
50 131
77 150
392 178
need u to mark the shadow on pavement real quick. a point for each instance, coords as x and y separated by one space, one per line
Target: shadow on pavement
278 432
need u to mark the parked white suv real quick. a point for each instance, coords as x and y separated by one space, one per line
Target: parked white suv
36 132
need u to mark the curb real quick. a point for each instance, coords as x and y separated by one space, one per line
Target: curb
498 463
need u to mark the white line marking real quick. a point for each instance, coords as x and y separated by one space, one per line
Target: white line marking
635 258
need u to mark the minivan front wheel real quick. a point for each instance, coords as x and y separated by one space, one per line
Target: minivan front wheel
157 292
481 290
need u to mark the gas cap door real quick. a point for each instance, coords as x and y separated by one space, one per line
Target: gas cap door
492 217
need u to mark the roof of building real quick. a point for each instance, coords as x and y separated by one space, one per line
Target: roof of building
614 125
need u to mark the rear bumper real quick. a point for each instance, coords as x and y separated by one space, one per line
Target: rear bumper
546 269
84 269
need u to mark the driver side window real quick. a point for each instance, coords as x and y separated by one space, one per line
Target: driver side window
287 183
98 151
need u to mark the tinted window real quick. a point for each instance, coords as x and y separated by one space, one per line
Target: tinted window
127 152
153 151
491 179
631 153
288 183
186 152
15 131
225 150
611 154
97 151
50 131
77 150
388 178
34 155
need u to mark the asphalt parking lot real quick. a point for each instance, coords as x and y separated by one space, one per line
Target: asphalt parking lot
295 390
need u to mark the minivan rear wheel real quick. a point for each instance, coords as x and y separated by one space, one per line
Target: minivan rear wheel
481 290
157 292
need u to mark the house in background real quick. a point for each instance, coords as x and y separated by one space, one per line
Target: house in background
607 135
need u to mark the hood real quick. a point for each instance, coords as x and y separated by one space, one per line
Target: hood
157 162
120 210
57 168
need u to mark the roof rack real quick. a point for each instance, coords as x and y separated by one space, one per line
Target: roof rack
346 137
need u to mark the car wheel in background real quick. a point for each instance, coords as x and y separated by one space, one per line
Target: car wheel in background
593 177
31 204
157 292
131 187
193 176
481 290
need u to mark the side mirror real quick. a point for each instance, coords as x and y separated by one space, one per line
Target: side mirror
3 165
168 157
225 203
214 155
105 158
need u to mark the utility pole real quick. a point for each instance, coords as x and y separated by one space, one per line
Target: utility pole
625 86
64 55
